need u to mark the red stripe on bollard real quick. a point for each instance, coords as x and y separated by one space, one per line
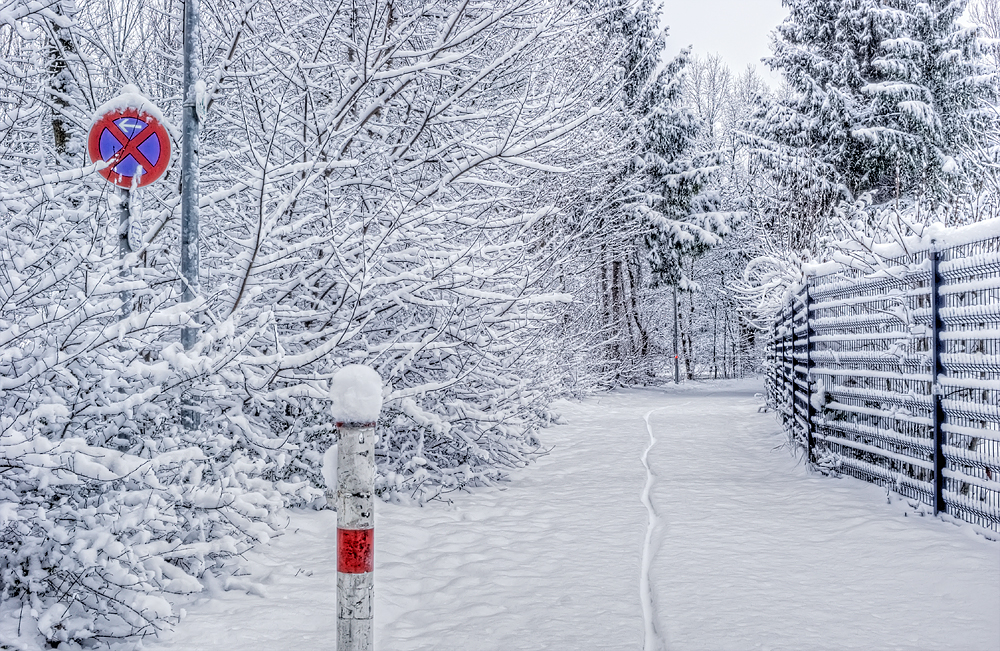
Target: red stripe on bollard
355 550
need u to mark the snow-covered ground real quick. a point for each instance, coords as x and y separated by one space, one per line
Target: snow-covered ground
745 549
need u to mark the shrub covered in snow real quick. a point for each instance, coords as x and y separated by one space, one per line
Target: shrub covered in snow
105 502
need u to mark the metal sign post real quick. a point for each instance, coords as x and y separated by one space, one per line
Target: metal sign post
124 247
190 414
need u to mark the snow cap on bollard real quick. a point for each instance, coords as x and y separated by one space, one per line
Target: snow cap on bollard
356 392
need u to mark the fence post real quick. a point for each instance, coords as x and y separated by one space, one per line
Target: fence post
784 364
790 357
357 396
810 409
938 372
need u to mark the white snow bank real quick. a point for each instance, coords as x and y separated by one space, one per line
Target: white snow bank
935 236
939 236
356 392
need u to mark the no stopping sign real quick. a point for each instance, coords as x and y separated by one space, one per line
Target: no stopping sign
133 143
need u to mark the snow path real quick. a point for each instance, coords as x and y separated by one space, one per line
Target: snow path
550 562
746 550
757 553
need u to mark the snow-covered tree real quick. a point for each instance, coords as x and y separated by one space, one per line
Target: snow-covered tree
983 148
662 208
707 91
714 337
985 14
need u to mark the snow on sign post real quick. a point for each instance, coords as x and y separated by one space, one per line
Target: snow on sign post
128 134
356 392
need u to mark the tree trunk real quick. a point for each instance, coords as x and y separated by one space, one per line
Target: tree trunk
641 348
61 48
725 344
617 347
715 340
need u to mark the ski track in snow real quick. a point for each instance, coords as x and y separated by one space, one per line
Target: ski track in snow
653 641
744 550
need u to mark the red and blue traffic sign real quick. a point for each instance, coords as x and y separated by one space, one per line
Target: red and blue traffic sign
129 139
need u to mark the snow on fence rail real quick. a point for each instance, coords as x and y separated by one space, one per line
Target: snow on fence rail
893 376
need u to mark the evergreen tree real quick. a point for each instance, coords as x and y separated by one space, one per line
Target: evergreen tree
663 210
881 95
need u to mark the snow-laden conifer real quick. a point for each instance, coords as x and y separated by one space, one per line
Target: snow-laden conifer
881 98
661 207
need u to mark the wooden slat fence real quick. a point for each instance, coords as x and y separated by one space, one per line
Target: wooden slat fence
893 376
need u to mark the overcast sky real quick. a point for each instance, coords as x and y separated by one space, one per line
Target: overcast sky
736 29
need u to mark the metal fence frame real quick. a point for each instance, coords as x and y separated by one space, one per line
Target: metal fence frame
893 376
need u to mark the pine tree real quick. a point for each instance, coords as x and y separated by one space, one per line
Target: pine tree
881 94
663 210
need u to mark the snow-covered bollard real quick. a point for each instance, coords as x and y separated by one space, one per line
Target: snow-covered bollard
356 392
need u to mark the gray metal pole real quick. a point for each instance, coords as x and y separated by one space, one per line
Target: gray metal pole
356 393
677 363
124 197
190 415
